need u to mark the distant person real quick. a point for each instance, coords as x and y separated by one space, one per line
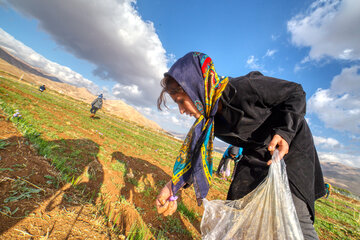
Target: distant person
327 189
42 88
231 153
96 105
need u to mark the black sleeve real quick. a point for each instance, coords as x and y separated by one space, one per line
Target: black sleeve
286 99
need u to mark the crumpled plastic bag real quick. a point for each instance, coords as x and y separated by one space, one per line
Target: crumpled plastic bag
268 212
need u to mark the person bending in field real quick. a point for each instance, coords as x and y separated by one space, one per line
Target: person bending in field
231 153
327 189
96 105
42 88
254 112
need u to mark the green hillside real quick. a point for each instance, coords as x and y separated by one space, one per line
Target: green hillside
112 167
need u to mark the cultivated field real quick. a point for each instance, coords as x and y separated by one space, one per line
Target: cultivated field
64 175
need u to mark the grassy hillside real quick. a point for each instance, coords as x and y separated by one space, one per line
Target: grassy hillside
110 167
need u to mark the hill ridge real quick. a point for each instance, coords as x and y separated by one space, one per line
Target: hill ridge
17 62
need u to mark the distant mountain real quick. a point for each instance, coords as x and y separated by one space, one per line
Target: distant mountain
342 176
24 66
179 136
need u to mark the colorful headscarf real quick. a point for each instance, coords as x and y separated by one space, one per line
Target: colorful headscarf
195 73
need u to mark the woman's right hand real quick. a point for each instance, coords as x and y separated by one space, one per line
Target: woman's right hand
163 204
279 143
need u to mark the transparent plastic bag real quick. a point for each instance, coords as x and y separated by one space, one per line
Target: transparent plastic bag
268 212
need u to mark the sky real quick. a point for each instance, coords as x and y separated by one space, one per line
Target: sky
122 48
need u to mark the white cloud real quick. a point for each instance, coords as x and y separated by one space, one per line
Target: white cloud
298 67
339 106
329 143
343 158
111 35
330 28
355 138
270 52
174 120
126 92
252 63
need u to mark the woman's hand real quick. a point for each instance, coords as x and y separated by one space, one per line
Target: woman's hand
282 146
163 204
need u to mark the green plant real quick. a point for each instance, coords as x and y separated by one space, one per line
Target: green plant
173 225
6 169
191 215
21 190
7 211
147 191
55 181
3 144
133 181
137 232
119 166
19 165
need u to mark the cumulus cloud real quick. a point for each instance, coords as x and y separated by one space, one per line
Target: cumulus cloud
329 143
25 53
330 28
343 158
339 106
111 35
128 93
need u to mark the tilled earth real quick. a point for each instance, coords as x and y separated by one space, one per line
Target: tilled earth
34 203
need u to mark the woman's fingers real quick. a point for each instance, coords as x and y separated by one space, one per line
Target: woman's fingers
283 150
161 201
281 144
162 206
171 208
273 143
168 208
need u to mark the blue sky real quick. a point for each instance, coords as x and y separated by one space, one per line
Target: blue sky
122 48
